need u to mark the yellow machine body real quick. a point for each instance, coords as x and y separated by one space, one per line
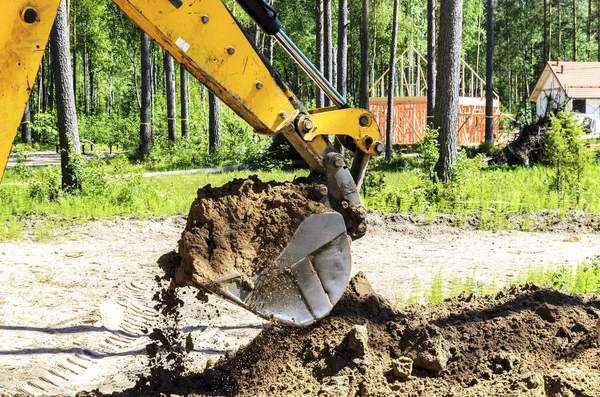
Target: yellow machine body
203 36
333 121
22 46
206 39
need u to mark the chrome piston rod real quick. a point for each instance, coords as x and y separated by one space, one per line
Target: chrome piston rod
310 69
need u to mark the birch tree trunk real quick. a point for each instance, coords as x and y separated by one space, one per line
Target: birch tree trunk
214 124
185 103
171 101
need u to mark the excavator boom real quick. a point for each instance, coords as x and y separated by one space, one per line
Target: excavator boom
24 33
206 38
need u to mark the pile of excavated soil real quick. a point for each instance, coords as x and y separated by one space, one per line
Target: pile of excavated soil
240 227
526 341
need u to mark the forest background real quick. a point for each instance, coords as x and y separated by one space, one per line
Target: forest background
107 67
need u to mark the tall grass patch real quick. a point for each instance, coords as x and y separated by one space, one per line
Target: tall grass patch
107 190
581 279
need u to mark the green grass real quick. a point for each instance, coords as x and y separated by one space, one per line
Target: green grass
11 228
582 279
106 195
162 195
116 188
484 192
19 147
182 188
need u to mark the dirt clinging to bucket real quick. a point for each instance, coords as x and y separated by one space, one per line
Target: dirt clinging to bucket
241 227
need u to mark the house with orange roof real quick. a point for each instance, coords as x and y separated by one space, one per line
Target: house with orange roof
572 86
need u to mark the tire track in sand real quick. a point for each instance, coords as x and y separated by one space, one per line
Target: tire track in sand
123 335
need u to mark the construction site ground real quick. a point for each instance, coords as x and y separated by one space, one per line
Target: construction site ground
75 310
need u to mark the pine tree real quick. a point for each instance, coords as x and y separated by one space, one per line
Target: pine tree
65 98
448 83
146 70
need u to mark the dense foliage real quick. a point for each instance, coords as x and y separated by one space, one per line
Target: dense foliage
566 154
106 57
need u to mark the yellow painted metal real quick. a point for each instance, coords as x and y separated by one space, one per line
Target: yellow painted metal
204 36
22 46
330 121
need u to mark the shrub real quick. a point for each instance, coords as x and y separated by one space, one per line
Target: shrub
43 129
21 171
109 129
566 155
47 186
430 151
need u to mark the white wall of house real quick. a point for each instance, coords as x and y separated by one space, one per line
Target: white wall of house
591 117
592 108
552 93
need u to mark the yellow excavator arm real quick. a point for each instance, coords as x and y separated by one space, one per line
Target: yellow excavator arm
24 33
205 38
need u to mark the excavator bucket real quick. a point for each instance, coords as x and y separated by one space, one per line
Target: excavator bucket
310 275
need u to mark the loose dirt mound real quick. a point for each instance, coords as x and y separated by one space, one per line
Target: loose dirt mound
526 341
240 227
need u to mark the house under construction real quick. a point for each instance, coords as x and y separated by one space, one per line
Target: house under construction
410 102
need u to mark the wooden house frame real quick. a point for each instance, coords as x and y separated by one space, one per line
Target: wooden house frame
410 102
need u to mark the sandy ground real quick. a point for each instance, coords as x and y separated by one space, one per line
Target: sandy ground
74 312
45 158
36 159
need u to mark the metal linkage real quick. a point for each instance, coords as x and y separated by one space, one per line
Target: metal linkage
310 69
266 17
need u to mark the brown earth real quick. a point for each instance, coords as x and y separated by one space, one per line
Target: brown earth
54 303
526 341
571 221
241 227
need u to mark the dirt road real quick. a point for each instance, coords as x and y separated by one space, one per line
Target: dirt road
74 312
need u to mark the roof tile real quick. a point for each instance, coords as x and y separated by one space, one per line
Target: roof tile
579 79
